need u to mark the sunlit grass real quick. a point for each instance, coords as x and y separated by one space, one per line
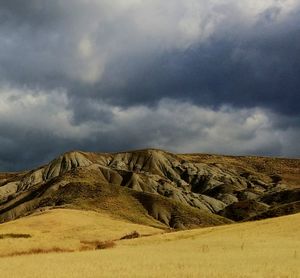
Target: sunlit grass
63 229
269 248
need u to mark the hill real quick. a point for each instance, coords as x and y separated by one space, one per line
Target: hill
157 188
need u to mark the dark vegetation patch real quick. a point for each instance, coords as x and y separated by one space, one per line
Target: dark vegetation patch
132 235
96 245
4 236
243 209
37 251
282 197
286 209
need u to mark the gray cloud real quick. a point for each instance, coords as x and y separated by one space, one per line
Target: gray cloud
257 68
39 126
193 75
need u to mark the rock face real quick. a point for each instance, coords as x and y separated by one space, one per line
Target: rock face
237 188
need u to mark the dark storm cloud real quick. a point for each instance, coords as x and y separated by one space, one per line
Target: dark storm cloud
258 68
36 127
79 47
184 75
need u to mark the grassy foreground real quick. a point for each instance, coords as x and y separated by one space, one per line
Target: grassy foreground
63 230
268 248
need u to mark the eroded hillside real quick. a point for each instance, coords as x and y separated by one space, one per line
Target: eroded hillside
155 187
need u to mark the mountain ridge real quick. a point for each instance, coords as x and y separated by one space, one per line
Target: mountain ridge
160 186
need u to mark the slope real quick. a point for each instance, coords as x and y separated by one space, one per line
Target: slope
268 248
147 186
64 229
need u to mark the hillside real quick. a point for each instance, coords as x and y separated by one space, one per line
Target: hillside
64 229
157 188
267 248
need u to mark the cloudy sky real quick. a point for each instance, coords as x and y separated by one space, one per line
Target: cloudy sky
213 76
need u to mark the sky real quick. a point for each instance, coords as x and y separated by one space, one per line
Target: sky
206 76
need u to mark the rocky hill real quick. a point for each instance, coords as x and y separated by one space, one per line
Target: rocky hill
157 188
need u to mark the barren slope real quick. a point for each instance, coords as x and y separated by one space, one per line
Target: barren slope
154 187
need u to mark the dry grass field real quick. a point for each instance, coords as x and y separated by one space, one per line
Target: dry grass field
63 229
268 248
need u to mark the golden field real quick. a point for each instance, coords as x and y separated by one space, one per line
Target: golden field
64 229
268 248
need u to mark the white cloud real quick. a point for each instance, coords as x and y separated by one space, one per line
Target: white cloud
40 124
181 127
184 127
26 110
